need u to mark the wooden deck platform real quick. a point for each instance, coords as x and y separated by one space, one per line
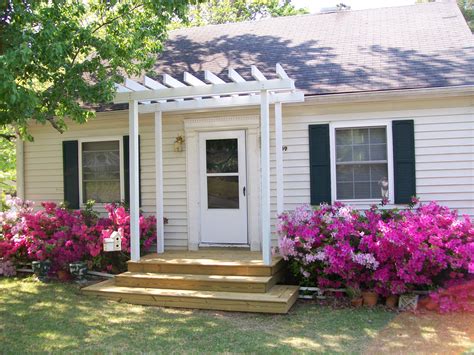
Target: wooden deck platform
222 279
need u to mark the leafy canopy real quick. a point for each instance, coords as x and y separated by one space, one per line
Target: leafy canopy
57 57
467 9
225 11
7 161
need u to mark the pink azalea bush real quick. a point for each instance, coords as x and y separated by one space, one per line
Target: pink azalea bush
63 236
389 251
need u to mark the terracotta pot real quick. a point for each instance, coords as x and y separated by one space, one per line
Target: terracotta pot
392 301
63 275
370 298
357 302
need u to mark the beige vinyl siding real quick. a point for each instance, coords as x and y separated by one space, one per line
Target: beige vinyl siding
444 148
444 134
44 170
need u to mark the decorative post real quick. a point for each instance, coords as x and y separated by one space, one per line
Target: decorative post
134 182
160 236
279 158
265 167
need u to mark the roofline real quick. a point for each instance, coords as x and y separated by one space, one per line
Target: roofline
390 95
270 18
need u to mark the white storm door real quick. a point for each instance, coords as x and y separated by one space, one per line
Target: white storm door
223 176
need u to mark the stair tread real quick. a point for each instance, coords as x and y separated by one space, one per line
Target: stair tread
195 277
278 293
252 259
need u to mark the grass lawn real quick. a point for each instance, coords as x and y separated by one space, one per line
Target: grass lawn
36 317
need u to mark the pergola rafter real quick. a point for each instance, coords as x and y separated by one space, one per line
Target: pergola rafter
193 94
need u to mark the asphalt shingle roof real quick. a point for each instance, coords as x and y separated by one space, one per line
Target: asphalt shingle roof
418 46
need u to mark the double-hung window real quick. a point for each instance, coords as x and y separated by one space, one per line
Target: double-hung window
361 163
101 171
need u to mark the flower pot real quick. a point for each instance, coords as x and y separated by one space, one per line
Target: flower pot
370 298
63 275
391 301
41 269
357 302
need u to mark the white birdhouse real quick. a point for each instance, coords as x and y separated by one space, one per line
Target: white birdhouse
113 243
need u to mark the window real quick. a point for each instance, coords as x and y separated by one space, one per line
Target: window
101 171
361 163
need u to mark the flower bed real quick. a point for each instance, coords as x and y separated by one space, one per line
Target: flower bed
386 250
64 236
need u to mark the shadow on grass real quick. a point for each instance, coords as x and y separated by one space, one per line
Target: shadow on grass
56 317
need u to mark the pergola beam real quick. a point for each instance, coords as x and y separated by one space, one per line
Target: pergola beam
221 102
207 90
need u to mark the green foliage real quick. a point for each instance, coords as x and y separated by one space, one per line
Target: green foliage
225 11
467 9
56 57
7 160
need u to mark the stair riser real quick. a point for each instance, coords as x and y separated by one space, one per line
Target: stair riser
204 269
195 285
195 303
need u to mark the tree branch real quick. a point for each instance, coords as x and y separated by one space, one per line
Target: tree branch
55 124
8 137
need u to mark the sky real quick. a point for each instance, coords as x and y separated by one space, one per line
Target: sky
316 5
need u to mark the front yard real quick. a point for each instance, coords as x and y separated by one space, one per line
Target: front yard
36 317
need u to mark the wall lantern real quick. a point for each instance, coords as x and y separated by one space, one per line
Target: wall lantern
178 143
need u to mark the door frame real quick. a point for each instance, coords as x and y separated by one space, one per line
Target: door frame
193 126
241 136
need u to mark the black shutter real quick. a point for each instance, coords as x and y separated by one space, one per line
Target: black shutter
320 164
404 160
71 173
126 169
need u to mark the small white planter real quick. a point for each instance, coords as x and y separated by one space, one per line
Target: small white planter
309 293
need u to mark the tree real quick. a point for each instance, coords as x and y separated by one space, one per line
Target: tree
467 9
7 161
59 58
225 11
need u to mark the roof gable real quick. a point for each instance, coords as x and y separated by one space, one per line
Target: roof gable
425 45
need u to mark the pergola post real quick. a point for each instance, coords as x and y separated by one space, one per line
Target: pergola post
160 236
279 158
265 184
134 182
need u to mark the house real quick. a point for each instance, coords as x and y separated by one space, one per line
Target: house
363 105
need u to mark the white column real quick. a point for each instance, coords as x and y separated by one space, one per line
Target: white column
265 166
20 168
134 182
279 158
160 235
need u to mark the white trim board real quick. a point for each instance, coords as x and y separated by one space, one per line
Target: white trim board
192 128
122 174
332 144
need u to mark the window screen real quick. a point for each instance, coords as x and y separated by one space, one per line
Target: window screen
101 171
361 163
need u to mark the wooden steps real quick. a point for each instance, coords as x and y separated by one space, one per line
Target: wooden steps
278 300
226 280
229 283
205 264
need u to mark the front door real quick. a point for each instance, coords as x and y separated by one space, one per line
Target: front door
223 187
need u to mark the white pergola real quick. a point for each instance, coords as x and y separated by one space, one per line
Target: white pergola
193 94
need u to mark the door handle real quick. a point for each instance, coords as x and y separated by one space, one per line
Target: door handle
243 190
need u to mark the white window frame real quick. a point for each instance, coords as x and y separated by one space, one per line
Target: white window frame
387 124
122 174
